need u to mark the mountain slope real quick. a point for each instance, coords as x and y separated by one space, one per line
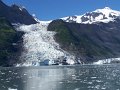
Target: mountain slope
16 14
9 47
89 42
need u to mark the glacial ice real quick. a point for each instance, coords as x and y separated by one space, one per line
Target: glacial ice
107 61
39 45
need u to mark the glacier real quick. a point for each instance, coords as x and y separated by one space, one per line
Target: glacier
39 45
107 61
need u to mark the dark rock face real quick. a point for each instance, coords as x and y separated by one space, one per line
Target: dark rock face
89 42
93 15
10 43
16 15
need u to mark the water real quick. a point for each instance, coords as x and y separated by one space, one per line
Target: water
86 77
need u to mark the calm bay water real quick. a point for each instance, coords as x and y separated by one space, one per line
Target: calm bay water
85 77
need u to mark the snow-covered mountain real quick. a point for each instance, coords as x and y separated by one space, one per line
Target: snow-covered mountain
40 44
58 42
104 15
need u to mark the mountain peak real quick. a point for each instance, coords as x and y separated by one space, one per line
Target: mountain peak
104 15
108 8
105 8
18 6
16 14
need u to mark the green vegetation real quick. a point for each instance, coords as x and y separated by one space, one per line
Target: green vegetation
8 36
80 40
63 35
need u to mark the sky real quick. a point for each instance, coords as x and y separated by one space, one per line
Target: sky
54 9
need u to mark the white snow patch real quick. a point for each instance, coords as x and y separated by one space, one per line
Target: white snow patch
21 8
42 22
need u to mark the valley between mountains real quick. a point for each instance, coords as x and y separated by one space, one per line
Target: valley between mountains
92 38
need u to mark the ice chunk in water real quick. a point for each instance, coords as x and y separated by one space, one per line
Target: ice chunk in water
11 89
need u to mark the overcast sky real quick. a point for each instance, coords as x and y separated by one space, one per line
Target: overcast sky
53 9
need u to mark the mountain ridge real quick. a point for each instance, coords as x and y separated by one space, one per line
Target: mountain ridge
104 15
15 14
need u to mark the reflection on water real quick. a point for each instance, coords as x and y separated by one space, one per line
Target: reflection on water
45 79
89 77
